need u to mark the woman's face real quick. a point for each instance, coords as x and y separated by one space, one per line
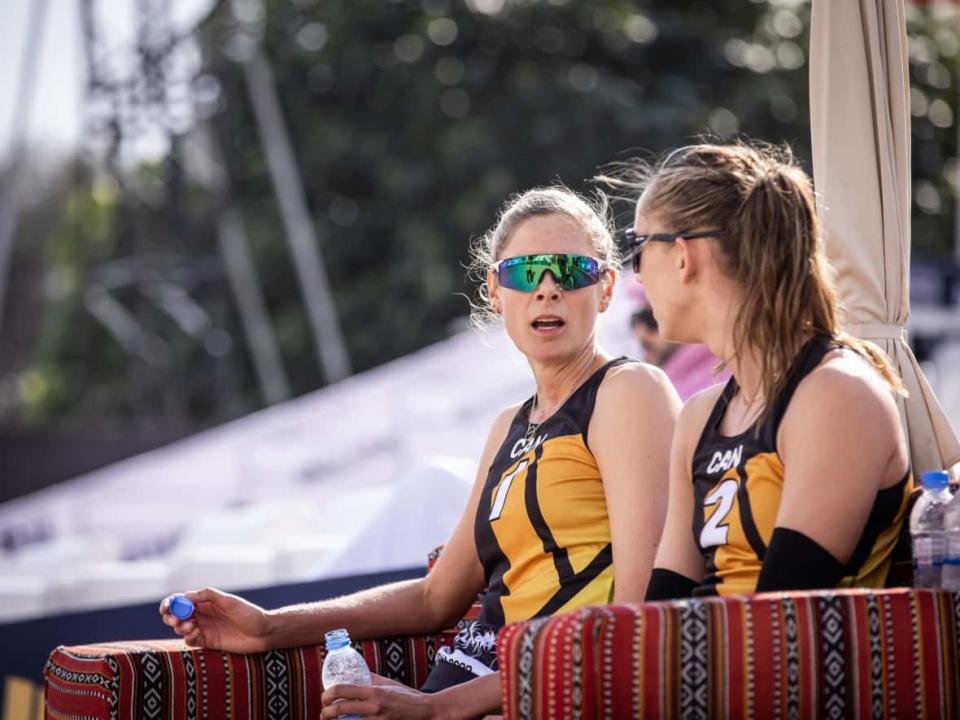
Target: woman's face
661 274
550 323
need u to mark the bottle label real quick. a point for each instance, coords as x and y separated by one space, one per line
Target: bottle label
928 551
951 552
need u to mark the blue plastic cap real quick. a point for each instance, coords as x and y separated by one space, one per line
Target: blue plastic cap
181 607
935 480
337 639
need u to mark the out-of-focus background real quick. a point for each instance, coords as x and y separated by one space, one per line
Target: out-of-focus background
234 346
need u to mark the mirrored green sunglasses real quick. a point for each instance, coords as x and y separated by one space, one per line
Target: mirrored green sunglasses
570 272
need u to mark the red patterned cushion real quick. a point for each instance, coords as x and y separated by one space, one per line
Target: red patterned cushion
166 679
814 654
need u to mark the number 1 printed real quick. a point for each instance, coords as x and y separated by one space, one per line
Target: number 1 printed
501 497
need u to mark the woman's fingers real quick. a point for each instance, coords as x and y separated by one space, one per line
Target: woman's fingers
338 692
193 638
170 620
363 708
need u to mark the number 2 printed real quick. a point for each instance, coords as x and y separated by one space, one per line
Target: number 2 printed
714 532
501 497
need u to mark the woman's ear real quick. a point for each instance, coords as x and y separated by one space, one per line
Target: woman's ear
685 260
607 283
493 291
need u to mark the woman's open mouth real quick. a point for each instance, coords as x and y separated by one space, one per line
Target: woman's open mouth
548 324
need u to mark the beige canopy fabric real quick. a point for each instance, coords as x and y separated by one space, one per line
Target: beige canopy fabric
860 123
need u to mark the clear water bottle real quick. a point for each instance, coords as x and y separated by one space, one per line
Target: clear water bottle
951 559
343 665
927 530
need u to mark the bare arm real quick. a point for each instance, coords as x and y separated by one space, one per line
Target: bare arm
227 622
630 435
678 551
841 441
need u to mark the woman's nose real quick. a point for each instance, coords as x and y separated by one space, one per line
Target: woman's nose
548 287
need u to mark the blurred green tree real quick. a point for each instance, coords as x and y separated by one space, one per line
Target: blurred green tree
412 120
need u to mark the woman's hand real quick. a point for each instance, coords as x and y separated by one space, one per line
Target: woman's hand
378 701
220 621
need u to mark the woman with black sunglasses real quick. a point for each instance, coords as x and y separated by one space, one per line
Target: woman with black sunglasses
795 473
569 499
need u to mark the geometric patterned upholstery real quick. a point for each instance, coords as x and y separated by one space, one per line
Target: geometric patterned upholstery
825 654
166 679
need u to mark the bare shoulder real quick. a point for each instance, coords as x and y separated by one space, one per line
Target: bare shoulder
495 438
847 383
635 377
697 409
501 425
845 403
637 388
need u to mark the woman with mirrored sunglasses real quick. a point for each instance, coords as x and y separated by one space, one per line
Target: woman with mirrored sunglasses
794 474
570 495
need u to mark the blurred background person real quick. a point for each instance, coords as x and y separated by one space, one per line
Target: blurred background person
690 367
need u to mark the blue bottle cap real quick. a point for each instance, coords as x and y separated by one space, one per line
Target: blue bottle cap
935 480
336 639
181 607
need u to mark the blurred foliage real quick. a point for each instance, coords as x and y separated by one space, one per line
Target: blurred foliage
412 120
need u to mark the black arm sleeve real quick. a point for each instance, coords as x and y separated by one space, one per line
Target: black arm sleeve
795 562
667 585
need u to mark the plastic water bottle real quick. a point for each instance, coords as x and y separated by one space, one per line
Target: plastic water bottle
927 529
343 665
951 559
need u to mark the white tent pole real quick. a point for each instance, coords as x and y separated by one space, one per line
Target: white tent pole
331 349
9 205
241 272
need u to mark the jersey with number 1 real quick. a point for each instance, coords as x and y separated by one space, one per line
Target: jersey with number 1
737 484
542 529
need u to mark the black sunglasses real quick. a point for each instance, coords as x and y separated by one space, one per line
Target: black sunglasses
635 243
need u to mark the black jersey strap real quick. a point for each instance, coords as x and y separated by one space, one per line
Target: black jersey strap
592 386
795 562
668 585
716 415
810 356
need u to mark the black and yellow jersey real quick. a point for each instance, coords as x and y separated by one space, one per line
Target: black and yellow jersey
542 530
738 480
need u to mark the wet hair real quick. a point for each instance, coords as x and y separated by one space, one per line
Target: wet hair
591 214
773 248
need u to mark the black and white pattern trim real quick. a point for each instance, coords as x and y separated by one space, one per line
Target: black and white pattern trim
833 652
190 674
693 660
152 701
577 656
525 666
278 685
891 664
793 658
876 657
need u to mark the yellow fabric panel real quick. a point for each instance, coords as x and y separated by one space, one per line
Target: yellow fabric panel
599 592
540 582
737 563
571 500
765 487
